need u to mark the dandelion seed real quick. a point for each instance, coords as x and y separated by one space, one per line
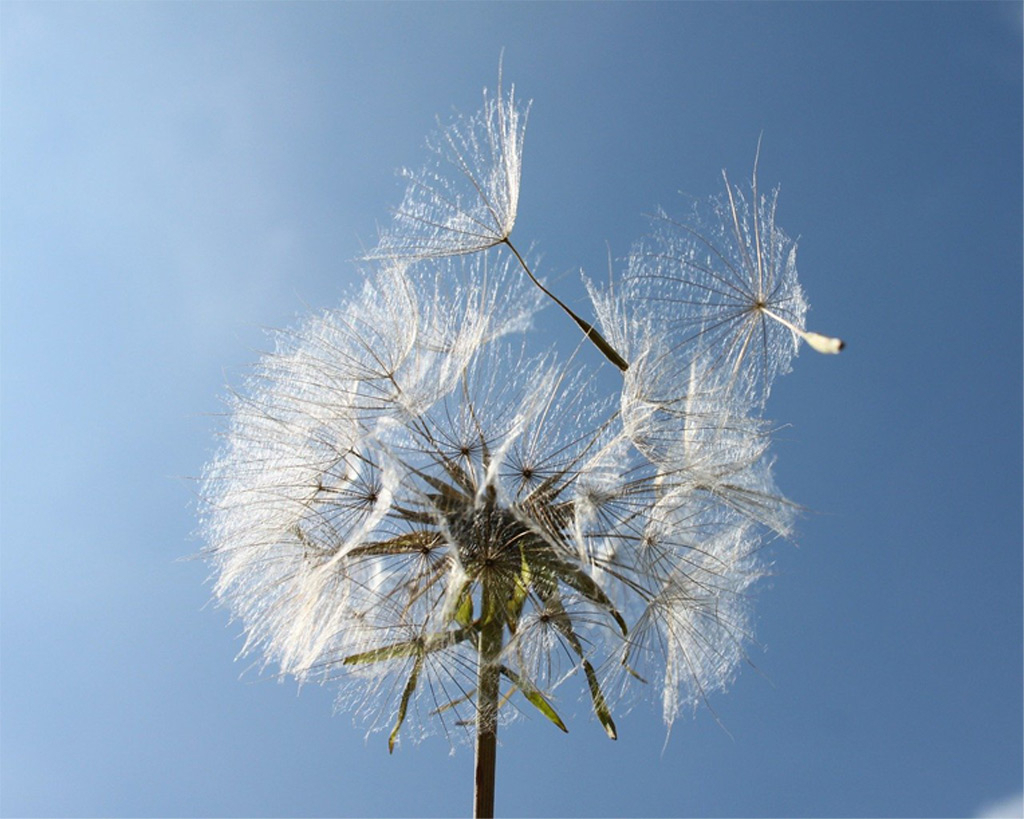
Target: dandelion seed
465 199
723 286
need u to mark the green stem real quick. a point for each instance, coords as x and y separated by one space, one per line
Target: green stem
488 689
589 330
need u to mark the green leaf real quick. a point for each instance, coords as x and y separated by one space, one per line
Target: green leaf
534 696
601 708
419 647
464 613
631 672
402 544
410 687
519 593
458 602
562 622
588 587
392 652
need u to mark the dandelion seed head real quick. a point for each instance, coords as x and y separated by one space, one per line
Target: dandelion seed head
417 498
368 491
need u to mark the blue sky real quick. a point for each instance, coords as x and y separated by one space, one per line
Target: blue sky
178 177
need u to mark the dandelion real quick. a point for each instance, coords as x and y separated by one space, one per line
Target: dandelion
441 524
423 503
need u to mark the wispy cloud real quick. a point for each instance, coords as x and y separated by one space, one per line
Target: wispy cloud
1012 807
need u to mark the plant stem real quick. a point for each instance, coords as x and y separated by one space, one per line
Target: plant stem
488 689
589 330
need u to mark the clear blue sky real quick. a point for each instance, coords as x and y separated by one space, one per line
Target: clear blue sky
176 177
